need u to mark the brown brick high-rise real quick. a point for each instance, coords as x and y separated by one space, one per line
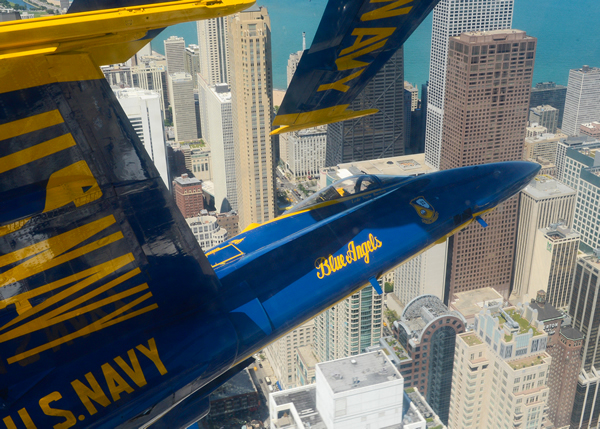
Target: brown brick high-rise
188 195
488 83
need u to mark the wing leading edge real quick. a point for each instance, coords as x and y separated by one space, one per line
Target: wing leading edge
105 294
354 40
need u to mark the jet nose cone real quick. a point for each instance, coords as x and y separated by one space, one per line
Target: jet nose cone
505 179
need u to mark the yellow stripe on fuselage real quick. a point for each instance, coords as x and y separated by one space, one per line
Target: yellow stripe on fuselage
36 152
30 124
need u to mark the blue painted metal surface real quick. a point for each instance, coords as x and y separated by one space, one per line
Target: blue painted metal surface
110 313
354 40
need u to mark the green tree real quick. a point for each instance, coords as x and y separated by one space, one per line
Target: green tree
389 287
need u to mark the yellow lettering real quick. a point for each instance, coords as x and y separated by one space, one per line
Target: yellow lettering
26 419
360 42
62 313
88 394
52 252
387 11
348 62
45 406
74 183
365 249
341 261
360 253
152 354
110 319
351 254
25 156
30 124
340 84
135 370
116 383
333 263
322 264
10 424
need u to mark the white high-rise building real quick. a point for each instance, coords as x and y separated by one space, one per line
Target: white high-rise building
451 18
500 373
582 104
191 57
152 77
207 231
554 256
142 107
544 201
174 52
213 47
305 151
181 88
569 177
282 353
218 132
425 274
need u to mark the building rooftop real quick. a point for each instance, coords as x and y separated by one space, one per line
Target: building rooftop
524 324
240 384
559 233
359 371
470 339
544 186
547 312
397 165
527 361
185 180
304 399
571 333
308 356
471 302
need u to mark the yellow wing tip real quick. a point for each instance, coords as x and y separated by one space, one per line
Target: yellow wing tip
302 121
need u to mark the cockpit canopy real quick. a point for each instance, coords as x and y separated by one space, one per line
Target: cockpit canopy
350 186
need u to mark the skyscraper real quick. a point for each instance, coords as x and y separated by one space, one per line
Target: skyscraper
375 136
142 107
485 115
543 202
349 327
552 94
546 116
213 46
252 113
501 372
583 174
564 346
191 56
174 52
181 89
582 103
451 18
219 134
282 353
153 77
554 256
305 150
427 330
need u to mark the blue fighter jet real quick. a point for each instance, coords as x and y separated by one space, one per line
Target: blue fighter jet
111 316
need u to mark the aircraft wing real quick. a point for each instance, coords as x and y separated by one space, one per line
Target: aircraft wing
354 40
105 295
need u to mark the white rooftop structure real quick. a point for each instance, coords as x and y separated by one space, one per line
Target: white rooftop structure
356 392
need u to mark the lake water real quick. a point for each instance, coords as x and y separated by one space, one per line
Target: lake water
21 3
568 36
